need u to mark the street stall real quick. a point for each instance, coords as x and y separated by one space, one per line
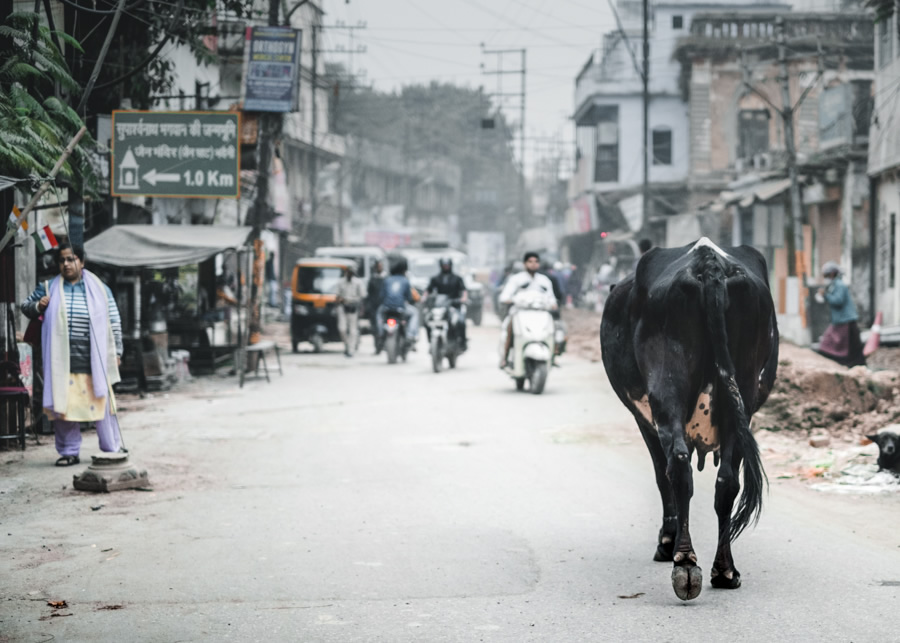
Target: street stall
178 288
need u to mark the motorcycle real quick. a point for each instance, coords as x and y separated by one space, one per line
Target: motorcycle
442 322
394 339
534 340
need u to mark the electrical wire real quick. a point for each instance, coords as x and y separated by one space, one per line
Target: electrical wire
105 48
150 58
101 12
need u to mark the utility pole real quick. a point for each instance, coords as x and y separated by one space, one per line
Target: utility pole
270 125
522 140
787 115
349 50
787 109
500 95
645 188
313 157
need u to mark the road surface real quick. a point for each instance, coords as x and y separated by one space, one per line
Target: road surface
350 500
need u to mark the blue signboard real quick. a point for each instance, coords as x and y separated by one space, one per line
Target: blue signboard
271 70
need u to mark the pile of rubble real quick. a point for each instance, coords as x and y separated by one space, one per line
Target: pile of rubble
815 423
814 395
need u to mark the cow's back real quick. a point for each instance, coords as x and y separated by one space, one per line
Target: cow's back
665 298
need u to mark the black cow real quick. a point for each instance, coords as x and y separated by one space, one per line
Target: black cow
690 345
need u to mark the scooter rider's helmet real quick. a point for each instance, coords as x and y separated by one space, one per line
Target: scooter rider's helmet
446 262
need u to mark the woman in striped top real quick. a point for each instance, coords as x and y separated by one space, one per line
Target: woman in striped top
81 341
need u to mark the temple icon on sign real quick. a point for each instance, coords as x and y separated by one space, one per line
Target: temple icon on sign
128 172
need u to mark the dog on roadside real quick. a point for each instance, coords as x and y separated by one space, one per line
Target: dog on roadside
888 451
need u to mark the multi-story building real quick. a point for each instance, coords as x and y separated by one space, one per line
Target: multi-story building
608 120
884 170
734 87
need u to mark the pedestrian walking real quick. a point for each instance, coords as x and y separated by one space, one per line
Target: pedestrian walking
373 299
840 341
81 341
350 295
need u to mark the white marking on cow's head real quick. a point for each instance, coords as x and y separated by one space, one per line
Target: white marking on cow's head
705 241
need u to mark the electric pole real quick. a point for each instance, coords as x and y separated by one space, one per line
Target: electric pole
787 109
787 115
645 188
339 49
501 95
313 156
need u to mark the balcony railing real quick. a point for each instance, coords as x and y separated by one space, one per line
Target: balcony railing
828 27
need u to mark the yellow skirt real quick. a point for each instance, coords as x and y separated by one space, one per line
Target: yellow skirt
83 405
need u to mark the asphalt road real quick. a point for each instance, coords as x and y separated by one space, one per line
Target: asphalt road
350 500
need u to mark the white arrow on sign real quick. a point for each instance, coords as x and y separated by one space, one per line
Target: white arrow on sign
152 177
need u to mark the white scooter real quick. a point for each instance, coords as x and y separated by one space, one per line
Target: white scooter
534 342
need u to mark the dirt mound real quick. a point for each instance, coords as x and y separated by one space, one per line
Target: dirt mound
813 394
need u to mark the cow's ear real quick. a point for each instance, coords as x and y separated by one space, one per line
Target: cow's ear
873 438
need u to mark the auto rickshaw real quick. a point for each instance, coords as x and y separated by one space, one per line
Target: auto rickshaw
314 314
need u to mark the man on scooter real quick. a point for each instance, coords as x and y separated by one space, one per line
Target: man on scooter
530 279
448 283
397 294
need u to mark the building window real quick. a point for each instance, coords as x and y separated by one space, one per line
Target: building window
753 132
606 163
662 146
677 22
884 42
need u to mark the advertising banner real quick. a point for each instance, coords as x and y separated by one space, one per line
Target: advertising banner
271 69
176 154
582 215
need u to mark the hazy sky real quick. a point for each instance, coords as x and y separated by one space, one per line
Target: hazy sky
415 41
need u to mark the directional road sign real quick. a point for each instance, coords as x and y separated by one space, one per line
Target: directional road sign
175 154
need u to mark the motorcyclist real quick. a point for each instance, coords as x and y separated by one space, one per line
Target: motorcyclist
529 280
398 294
448 283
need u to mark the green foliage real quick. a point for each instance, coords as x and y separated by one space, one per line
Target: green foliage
35 125
140 30
884 9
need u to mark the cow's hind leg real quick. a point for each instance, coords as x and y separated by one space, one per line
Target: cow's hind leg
724 574
687 577
665 546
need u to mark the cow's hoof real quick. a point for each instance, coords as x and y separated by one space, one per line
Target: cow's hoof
687 582
721 580
664 552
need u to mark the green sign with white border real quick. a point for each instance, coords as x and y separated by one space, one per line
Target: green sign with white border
175 154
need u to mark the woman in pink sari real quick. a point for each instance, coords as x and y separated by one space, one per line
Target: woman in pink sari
840 341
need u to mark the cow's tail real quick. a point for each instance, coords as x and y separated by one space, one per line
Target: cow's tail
715 294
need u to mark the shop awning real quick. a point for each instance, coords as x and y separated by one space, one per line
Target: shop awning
761 191
162 246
